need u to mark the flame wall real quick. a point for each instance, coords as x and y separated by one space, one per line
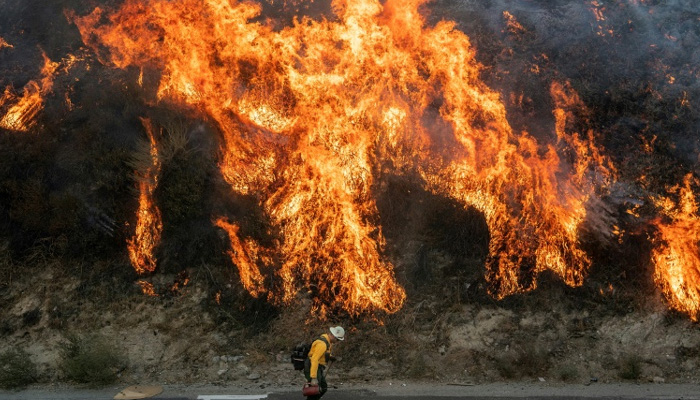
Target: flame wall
482 102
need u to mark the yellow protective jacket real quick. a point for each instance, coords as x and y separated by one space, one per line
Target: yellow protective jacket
319 355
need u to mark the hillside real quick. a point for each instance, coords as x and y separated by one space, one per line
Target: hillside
479 191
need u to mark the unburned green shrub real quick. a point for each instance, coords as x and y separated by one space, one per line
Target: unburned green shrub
630 367
506 367
527 361
418 367
533 360
568 372
16 369
90 360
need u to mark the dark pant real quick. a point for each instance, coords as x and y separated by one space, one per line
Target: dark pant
320 376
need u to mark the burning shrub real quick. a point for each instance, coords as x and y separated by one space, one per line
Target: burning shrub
16 369
90 360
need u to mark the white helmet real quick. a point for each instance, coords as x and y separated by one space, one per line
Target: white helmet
338 332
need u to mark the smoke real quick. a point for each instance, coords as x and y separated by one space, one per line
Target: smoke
609 50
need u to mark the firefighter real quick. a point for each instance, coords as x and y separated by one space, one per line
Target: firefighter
320 358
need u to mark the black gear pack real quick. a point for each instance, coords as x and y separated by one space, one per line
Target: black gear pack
301 353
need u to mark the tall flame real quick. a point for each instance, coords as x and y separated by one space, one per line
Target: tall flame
311 114
676 257
149 224
21 116
534 204
244 255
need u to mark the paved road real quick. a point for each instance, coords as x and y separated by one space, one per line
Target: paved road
350 395
387 391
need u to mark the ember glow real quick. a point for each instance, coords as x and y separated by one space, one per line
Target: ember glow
148 219
676 257
598 10
313 115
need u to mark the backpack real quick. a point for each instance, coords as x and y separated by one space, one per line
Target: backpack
301 353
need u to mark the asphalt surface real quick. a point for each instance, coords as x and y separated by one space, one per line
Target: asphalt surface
387 391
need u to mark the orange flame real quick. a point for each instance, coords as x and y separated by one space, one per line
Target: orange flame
147 288
20 117
4 44
534 205
148 224
182 281
311 113
598 11
514 27
676 257
244 256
